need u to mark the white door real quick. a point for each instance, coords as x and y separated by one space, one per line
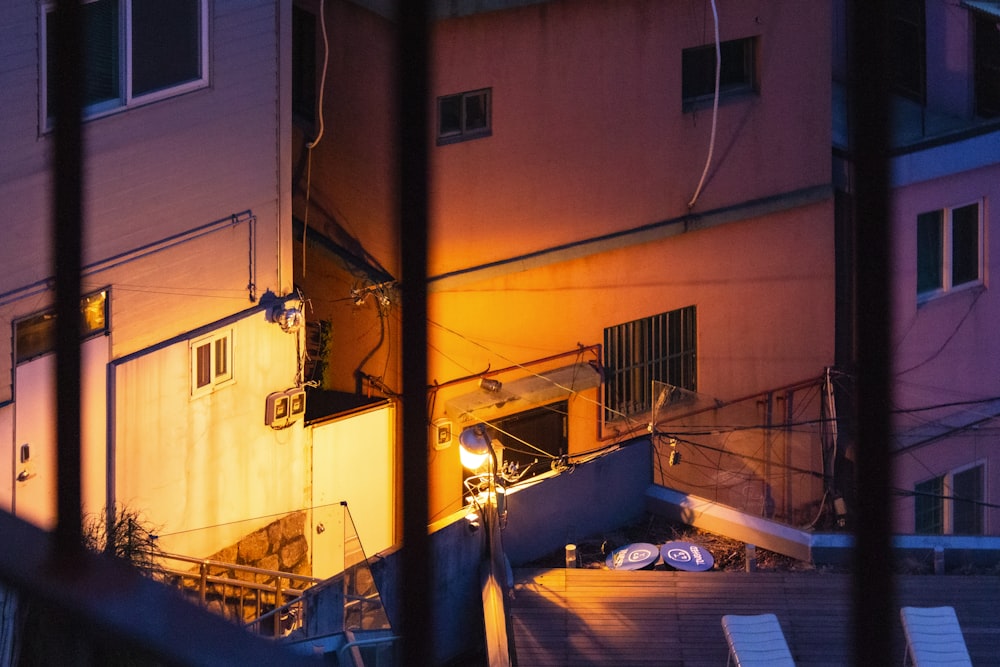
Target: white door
352 463
35 434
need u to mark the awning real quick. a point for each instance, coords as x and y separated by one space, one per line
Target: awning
523 393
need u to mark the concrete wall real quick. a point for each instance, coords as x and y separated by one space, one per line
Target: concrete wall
542 517
573 215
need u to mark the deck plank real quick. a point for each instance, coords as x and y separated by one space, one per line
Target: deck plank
595 617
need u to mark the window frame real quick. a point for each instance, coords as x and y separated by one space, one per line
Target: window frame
942 505
126 99
986 65
463 132
39 328
946 265
661 348
747 84
216 377
908 49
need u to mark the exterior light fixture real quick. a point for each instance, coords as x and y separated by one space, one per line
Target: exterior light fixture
474 447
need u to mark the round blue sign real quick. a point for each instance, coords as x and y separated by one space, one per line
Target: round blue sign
686 556
633 556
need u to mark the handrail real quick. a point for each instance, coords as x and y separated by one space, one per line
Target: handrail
202 578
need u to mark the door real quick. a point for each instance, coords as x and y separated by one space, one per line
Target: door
352 463
35 434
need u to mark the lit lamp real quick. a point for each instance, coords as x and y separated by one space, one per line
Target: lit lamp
474 447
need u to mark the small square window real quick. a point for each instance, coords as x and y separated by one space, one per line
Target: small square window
737 76
464 116
211 363
951 504
949 249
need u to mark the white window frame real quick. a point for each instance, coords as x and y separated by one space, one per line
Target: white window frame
126 99
947 252
464 132
948 502
217 378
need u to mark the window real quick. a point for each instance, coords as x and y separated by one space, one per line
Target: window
464 116
303 65
35 335
987 57
211 362
135 51
951 504
949 249
908 34
527 437
661 348
738 75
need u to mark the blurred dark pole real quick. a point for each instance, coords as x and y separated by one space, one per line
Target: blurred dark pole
874 603
67 226
412 109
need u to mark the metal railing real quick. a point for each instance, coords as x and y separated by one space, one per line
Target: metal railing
240 593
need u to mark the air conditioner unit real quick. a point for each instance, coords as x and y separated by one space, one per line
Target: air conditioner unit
277 410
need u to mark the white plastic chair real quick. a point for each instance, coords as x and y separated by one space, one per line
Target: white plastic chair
933 638
756 641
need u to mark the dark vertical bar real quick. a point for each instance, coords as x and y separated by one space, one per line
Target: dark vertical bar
412 91
67 224
869 123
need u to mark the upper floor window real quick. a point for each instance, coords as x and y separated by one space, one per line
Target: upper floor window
464 116
135 51
949 249
907 44
303 65
661 348
737 76
951 503
36 335
987 56
211 362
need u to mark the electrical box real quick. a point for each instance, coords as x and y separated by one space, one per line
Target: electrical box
276 410
441 434
283 408
296 404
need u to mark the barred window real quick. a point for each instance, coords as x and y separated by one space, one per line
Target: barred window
660 348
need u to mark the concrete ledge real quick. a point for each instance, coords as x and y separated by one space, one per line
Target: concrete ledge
711 516
941 552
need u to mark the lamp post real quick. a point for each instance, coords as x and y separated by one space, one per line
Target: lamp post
488 500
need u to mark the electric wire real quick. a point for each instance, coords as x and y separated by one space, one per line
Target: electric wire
715 107
319 135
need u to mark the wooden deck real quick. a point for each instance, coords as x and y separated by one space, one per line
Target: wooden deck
673 619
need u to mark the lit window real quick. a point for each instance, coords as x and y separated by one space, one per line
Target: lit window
211 362
660 348
738 75
135 51
35 335
951 503
464 116
949 249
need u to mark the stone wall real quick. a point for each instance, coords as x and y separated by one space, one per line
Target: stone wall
281 545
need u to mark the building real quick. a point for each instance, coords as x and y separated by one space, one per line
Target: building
600 220
190 317
943 177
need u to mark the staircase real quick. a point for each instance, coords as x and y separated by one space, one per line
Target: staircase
241 593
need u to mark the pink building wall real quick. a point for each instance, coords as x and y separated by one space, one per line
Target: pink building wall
589 145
